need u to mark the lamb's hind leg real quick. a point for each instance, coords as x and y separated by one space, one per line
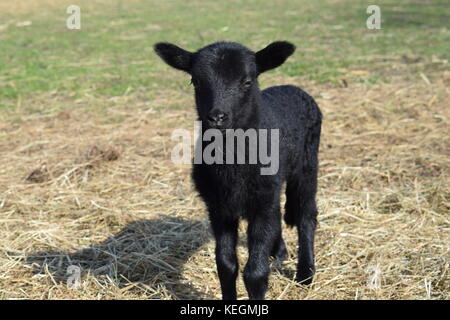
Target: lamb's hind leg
301 211
279 251
306 230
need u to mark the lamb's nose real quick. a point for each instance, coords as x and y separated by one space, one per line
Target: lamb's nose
217 118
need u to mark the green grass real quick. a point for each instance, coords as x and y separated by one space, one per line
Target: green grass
112 54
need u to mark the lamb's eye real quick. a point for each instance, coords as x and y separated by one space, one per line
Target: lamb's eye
247 83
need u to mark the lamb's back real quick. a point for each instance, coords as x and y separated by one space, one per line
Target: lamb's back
289 109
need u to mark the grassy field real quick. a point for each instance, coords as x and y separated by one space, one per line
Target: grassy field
86 118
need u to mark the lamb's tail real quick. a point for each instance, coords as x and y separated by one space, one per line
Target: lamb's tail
302 185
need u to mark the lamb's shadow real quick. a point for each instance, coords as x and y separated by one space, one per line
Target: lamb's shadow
147 253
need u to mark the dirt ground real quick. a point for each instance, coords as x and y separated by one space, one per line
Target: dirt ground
93 186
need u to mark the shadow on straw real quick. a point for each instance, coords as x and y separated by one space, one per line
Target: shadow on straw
146 254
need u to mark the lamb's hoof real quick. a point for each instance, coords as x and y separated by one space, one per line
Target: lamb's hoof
305 277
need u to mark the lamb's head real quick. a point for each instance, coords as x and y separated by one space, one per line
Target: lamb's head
224 75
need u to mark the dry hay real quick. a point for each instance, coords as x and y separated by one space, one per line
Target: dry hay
97 189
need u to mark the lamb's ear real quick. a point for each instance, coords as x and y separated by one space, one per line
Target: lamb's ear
174 56
274 55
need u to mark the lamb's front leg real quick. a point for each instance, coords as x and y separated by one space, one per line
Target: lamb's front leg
226 235
263 230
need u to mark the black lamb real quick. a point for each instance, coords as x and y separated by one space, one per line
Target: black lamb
227 96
